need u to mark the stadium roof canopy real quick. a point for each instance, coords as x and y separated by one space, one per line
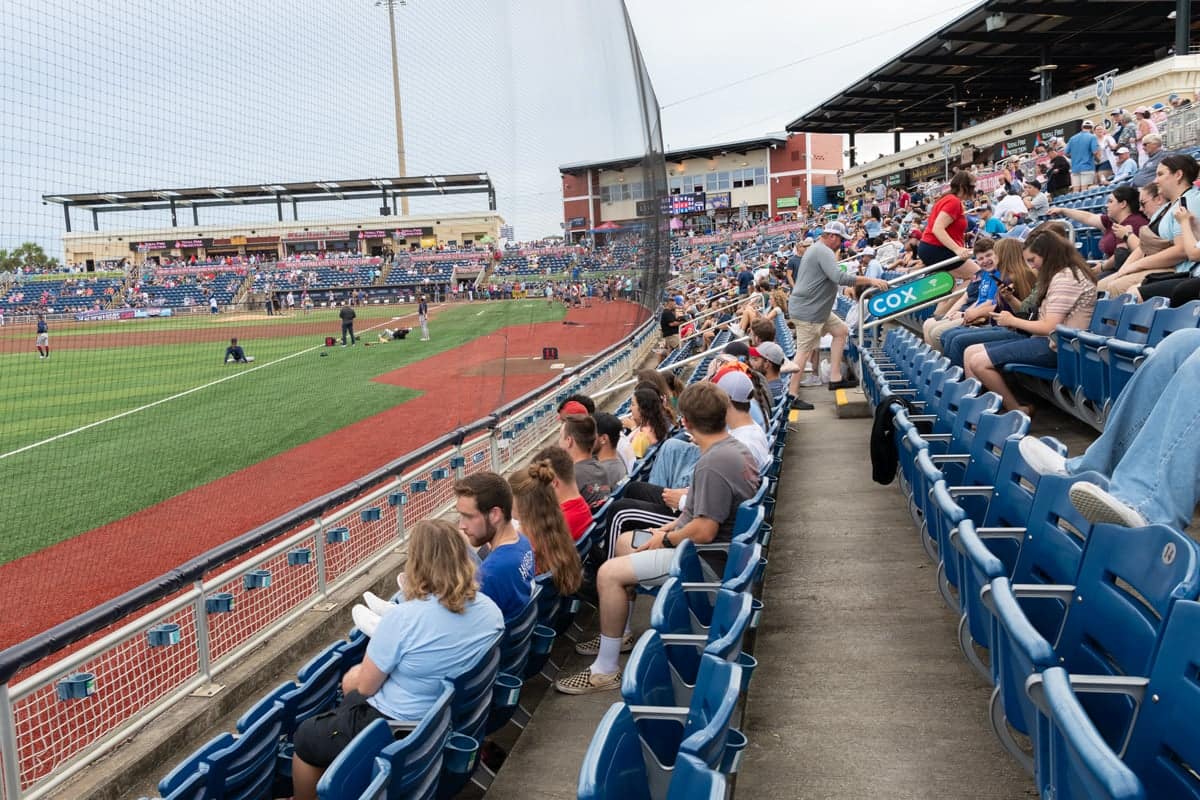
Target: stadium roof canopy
277 193
988 60
740 147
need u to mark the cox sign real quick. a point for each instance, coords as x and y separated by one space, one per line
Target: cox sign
904 297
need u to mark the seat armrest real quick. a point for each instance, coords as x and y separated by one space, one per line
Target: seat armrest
672 713
972 491
1002 599
1000 533
1049 591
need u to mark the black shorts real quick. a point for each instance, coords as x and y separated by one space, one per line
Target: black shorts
319 739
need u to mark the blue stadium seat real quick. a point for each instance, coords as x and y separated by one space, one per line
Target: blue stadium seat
238 768
415 762
1156 758
1127 581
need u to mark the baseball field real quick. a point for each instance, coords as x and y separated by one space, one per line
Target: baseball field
133 447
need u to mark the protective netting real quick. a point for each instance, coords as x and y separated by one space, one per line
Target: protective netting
230 170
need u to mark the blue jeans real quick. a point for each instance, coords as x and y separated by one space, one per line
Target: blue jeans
956 340
1149 445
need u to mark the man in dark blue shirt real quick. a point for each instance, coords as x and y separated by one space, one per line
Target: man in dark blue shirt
43 337
745 279
235 353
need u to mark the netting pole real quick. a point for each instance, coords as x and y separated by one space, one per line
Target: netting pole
8 747
319 552
203 640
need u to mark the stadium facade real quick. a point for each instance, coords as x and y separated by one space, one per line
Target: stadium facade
758 178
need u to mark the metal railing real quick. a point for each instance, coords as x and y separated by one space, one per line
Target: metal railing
864 324
174 636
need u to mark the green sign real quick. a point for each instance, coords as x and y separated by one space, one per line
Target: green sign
903 297
787 202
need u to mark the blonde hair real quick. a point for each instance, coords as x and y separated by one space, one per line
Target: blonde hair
438 565
543 522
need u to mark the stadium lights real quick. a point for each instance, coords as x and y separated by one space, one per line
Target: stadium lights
380 183
328 186
221 192
1044 68
163 194
274 188
956 104
113 198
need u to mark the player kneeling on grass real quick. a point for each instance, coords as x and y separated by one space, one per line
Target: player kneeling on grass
236 354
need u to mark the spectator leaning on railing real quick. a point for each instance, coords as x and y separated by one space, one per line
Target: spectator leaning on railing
1159 262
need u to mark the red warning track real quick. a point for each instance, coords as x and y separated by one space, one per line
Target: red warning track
459 386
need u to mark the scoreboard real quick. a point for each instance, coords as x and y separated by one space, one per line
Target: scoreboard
690 203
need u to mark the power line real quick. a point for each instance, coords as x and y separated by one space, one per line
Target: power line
813 56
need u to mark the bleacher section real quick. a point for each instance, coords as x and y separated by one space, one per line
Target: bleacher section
1069 622
59 296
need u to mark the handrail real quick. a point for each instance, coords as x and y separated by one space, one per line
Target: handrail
756 296
863 324
21 655
683 362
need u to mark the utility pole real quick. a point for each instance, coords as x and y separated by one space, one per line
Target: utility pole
400 160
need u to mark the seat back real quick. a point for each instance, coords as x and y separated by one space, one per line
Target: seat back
514 644
416 760
711 710
353 769
952 396
1128 580
692 780
1016 483
1164 737
1137 319
246 768
1168 320
1107 315
473 694
613 768
548 599
316 693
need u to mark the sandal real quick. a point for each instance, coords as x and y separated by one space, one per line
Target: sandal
586 682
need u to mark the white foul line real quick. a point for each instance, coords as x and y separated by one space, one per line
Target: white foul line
184 393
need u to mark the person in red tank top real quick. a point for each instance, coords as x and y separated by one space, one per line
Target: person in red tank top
946 229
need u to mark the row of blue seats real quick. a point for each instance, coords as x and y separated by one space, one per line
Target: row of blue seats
671 736
1095 364
1070 622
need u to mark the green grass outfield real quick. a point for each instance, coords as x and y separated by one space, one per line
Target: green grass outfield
59 489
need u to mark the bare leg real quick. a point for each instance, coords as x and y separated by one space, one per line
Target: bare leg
835 354
801 359
304 779
978 365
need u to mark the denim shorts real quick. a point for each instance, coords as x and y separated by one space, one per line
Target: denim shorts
1033 350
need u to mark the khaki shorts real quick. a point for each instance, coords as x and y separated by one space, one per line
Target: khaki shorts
671 341
808 334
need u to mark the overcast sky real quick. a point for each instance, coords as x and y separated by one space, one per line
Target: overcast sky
112 95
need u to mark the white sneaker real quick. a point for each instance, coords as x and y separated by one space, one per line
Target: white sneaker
365 619
1042 457
1097 506
811 380
377 604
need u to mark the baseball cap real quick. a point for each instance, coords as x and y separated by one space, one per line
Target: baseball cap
679 299
770 351
737 385
1122 150
1140 110
869 251
1087 123
836 228
573 407
737 349
1116 112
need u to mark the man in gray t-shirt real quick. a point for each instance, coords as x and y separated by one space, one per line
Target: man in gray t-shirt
810 305
725 476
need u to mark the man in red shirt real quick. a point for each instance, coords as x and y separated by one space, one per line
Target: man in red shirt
574 507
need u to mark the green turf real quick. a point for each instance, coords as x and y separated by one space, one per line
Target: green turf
58 490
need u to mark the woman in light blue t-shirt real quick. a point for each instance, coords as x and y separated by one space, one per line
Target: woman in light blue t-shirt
443 625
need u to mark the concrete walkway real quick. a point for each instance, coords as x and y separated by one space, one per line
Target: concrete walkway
861 691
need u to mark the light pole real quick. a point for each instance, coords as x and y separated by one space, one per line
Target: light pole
391 7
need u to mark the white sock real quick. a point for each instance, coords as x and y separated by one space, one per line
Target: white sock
629 619
606 662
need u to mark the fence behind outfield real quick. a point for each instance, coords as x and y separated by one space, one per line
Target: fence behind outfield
174 636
